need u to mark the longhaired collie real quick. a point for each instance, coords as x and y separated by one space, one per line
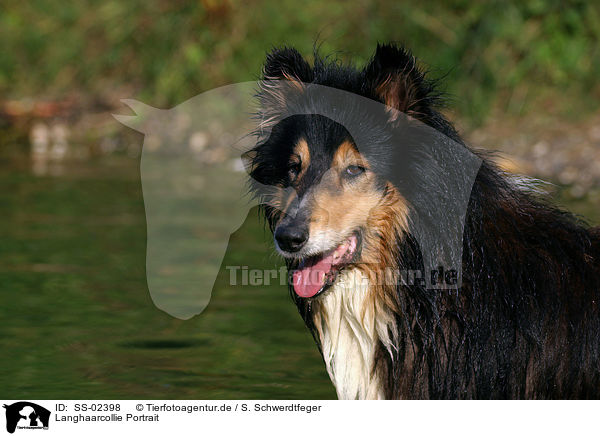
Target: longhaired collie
517 317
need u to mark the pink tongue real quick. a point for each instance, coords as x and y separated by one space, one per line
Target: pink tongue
310 278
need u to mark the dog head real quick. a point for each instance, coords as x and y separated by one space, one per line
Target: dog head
336 205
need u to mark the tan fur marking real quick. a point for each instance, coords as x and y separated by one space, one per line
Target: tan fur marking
346 155
342 206
302 151
386 222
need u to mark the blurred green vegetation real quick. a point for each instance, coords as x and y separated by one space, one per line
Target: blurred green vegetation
511 57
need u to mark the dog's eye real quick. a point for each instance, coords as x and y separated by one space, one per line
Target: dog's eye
294 169
355 170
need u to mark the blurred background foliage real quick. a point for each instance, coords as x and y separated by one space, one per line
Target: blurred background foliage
509 57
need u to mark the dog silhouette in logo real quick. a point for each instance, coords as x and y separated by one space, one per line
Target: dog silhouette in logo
26 414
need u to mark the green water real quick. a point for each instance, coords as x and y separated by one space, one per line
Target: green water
77 321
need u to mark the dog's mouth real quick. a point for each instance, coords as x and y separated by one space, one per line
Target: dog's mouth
316 273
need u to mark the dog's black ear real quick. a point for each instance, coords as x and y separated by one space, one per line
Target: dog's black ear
284 75
396 80
287 64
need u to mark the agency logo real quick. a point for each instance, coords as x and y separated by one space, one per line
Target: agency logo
26 415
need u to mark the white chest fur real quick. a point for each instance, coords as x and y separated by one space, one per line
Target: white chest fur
350 324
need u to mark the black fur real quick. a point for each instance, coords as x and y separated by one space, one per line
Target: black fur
525 323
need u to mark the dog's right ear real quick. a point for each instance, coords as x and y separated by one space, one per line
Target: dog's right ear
284 75
287 64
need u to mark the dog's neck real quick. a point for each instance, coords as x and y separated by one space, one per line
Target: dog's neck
351 326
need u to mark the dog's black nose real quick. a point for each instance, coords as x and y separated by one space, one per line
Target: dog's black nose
291 238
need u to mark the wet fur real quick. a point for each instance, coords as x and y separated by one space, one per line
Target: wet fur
525 323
